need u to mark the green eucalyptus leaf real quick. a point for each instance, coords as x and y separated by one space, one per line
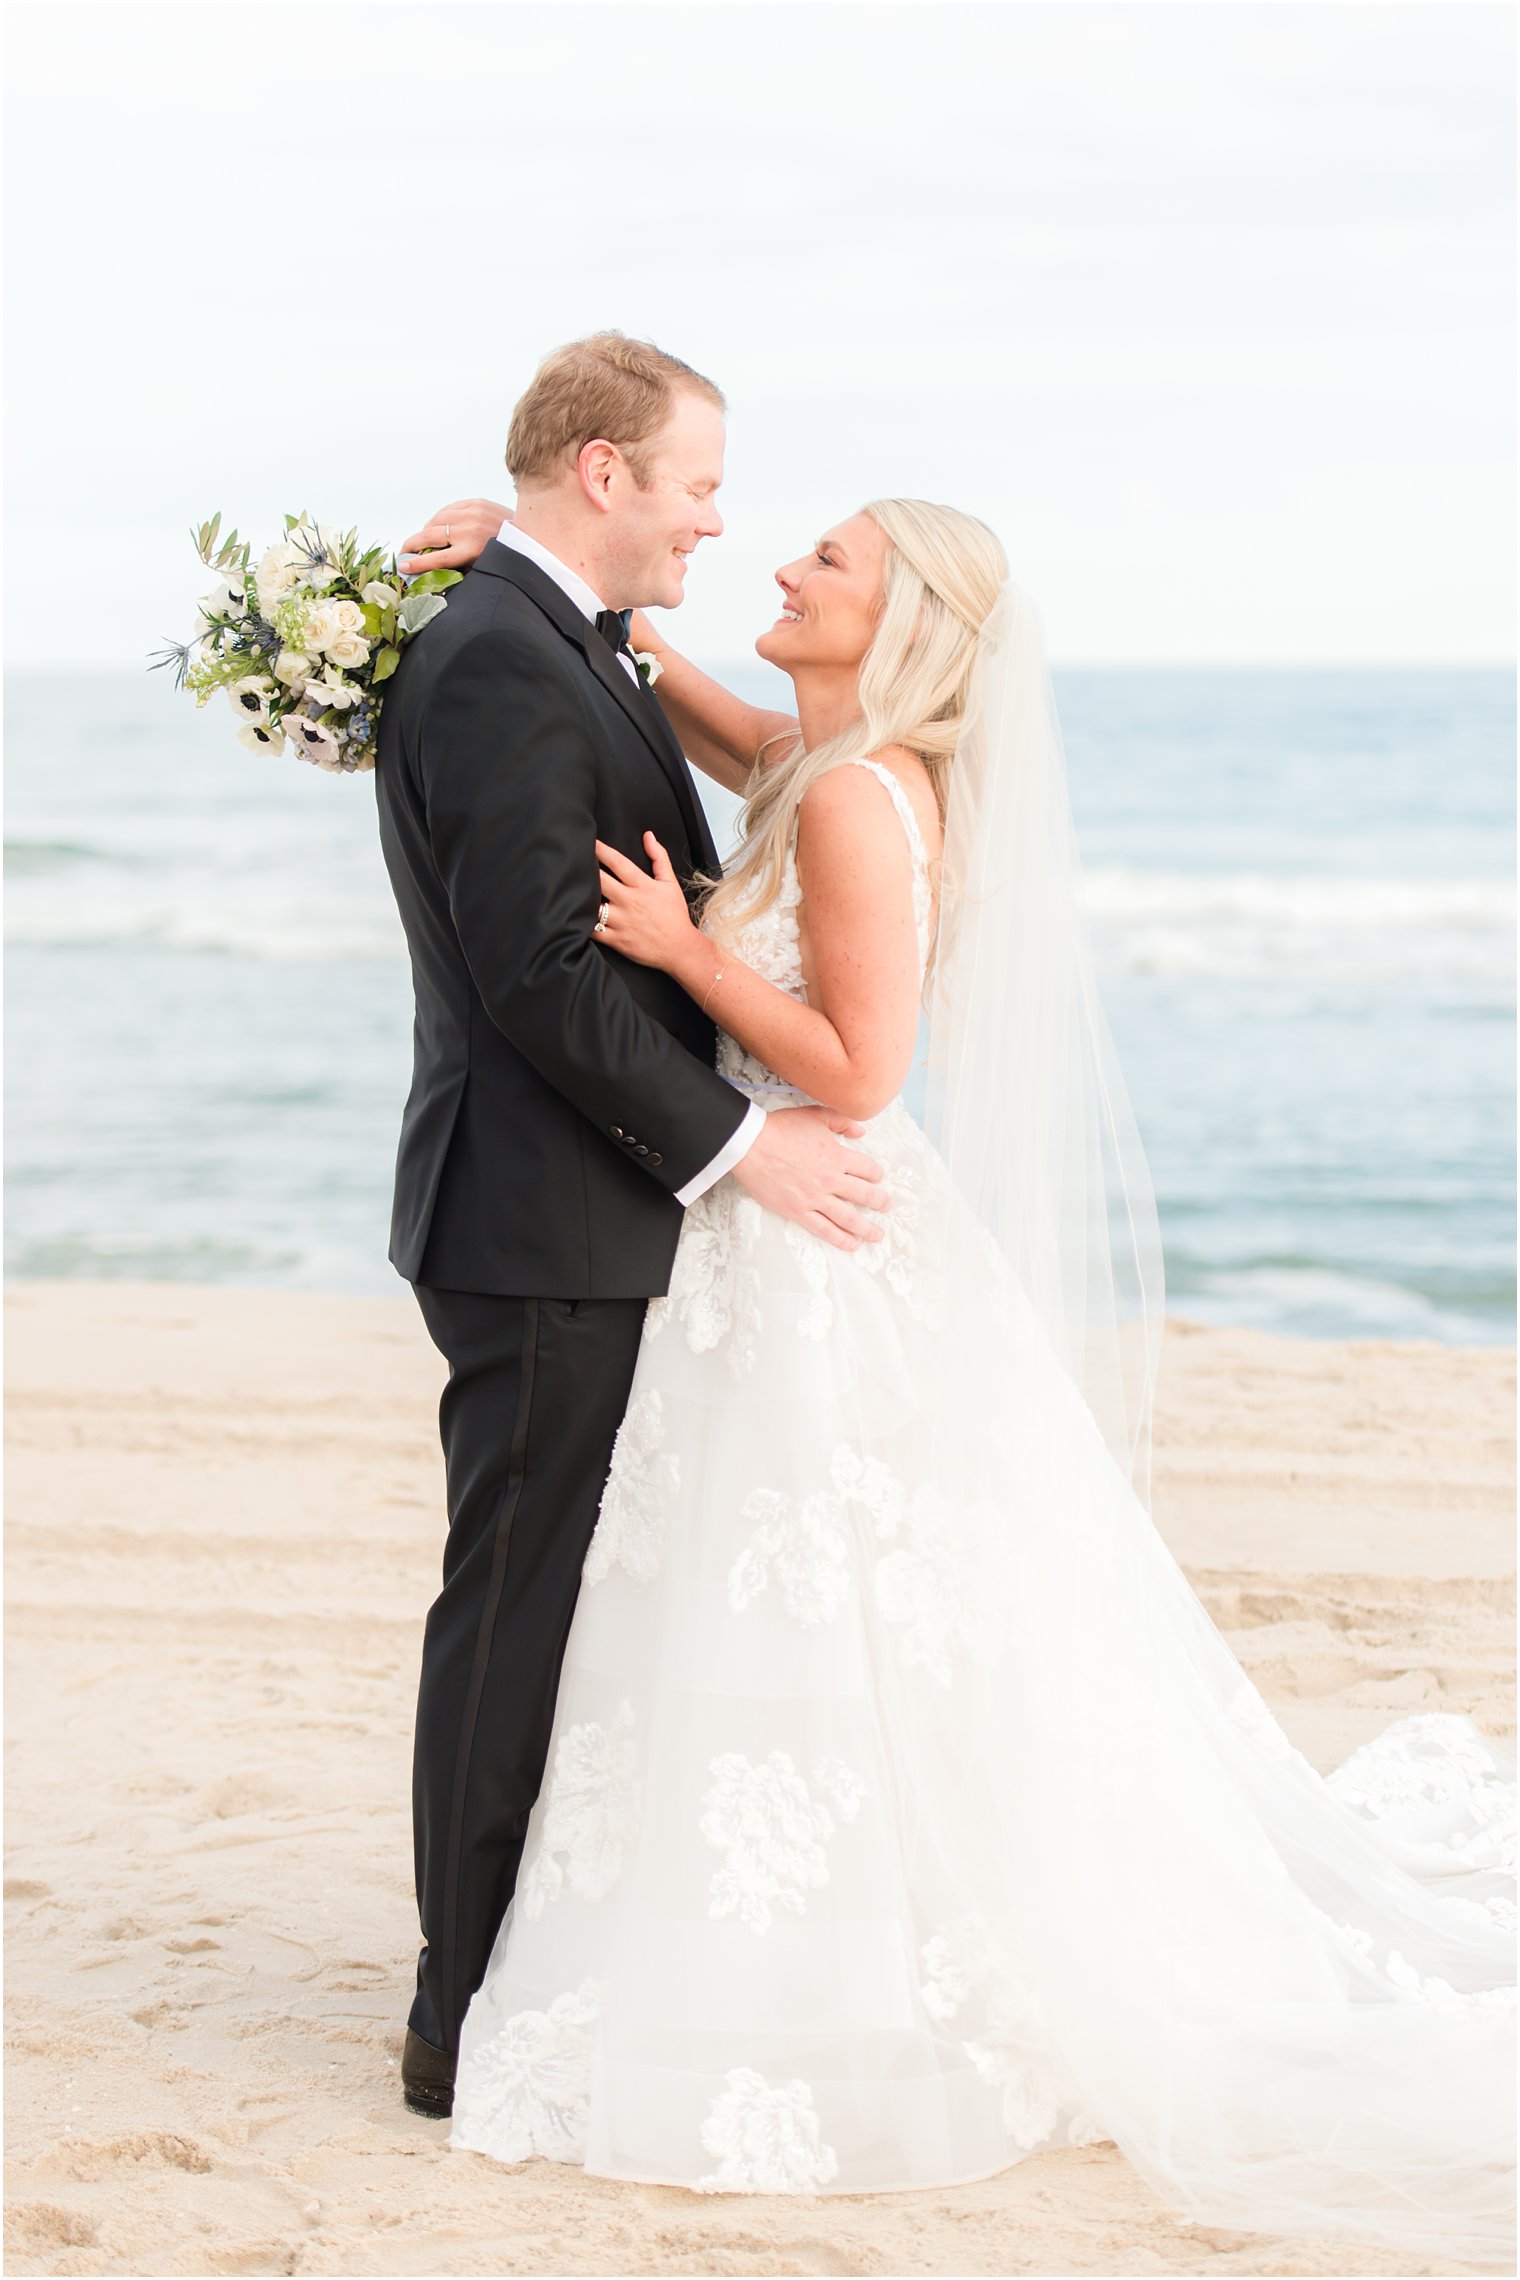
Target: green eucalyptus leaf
434 581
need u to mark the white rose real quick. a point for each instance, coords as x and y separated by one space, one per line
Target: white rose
294 668
275 576
262 738
319 626
332 689
380 596
347 649
349 617
250 697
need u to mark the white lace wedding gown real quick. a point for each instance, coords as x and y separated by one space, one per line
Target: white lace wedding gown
905 1814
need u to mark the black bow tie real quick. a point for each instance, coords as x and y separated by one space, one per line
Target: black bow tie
613 626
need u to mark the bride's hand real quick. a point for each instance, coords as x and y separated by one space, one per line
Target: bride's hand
647 918
454 537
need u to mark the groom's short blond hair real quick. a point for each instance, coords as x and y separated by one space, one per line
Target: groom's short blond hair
605 388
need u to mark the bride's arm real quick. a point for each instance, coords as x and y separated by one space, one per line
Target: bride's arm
721 734
852 1050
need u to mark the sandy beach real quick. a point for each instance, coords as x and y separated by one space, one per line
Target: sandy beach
224 1529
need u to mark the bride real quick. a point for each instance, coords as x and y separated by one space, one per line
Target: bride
905 1813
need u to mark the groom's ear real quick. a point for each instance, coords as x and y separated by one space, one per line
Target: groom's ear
597 466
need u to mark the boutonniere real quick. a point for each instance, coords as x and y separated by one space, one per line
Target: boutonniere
649 666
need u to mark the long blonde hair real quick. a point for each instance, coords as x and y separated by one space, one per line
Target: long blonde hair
944 571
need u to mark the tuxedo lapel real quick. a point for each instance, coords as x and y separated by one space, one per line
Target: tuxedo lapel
637 701
643 709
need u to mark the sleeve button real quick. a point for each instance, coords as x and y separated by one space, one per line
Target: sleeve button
655 1157
617 1131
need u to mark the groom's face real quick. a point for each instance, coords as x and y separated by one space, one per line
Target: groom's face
653 532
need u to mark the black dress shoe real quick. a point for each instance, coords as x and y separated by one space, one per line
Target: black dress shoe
427 2078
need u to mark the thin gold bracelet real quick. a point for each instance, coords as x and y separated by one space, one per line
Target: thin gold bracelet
712 985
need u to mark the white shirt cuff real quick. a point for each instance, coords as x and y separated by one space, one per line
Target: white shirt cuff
733 1151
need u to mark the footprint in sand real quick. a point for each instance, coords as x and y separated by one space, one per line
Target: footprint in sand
36 2228
94 2158
240 1793
125 1928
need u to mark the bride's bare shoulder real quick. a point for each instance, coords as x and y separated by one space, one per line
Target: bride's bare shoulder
843 811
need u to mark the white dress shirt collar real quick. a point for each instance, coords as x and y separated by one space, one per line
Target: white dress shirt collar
569 581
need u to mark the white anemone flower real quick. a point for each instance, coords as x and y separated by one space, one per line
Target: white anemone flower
333 690
263 738
225 600
250 697
314 742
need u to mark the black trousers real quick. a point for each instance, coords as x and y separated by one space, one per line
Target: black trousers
537 1388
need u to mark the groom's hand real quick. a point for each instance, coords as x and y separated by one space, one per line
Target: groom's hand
797 1167
453 538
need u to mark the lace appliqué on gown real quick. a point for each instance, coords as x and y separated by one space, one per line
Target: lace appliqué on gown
805 1544
591 1812
920 1591
960 1967
802 1546
643 1481
767 2138
772 1832
1436 1767
530 2084
714 1285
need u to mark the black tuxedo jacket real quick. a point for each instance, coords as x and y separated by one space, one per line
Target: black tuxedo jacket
561 1095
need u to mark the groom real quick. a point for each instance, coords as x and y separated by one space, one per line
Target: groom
564 1106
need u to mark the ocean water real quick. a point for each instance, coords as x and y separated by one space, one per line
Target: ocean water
1301 886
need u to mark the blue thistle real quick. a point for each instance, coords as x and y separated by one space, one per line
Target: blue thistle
177 655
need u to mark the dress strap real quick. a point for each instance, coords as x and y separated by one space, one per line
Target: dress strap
900 801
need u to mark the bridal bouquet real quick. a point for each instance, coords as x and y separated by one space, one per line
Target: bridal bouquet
303 642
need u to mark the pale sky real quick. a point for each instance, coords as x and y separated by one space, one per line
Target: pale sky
1208 308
